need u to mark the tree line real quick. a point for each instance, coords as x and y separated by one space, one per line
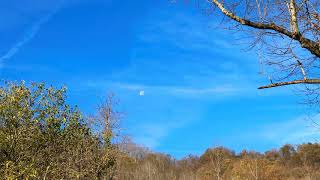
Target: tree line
42 137
219 163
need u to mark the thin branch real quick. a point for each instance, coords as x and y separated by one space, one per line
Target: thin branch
299 64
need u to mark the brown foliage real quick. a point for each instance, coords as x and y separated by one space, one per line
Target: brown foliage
221 163
41 137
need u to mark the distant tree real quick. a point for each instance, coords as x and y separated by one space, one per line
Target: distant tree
288 155
310 158
132 149
254 166
188 167
216 161
272 155
287 151
310 154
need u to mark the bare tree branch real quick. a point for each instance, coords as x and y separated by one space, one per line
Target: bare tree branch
306 81
312 46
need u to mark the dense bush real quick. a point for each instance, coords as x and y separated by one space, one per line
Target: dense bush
42 137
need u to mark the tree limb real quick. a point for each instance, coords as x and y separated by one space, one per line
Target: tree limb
247 22
305 81
306 43
293 17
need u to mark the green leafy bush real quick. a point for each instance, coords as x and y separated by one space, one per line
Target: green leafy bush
42 137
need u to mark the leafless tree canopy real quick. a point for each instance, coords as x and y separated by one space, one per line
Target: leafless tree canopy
285 33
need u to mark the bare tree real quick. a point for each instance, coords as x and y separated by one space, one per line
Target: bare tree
286 32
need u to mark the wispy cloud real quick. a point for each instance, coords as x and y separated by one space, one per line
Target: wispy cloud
151 134
294 131
221 90
180 55
28 36
183 91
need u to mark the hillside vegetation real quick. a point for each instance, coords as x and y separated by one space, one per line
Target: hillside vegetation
42 137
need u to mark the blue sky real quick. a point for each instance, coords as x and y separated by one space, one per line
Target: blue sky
200 87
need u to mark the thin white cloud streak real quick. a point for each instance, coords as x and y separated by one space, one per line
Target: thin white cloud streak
223 89
298 131
217 90
28 36
151 134
293 131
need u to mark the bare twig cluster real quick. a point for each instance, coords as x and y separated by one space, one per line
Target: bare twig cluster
287 33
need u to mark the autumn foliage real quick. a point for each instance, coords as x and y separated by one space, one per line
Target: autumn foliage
42 137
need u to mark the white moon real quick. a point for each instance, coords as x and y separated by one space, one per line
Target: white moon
141 93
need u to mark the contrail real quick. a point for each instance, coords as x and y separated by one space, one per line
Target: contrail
28 36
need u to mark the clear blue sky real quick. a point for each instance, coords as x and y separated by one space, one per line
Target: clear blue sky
200 87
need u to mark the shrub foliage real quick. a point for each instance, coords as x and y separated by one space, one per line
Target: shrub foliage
43 137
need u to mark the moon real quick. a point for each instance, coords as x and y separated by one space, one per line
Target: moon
141 93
